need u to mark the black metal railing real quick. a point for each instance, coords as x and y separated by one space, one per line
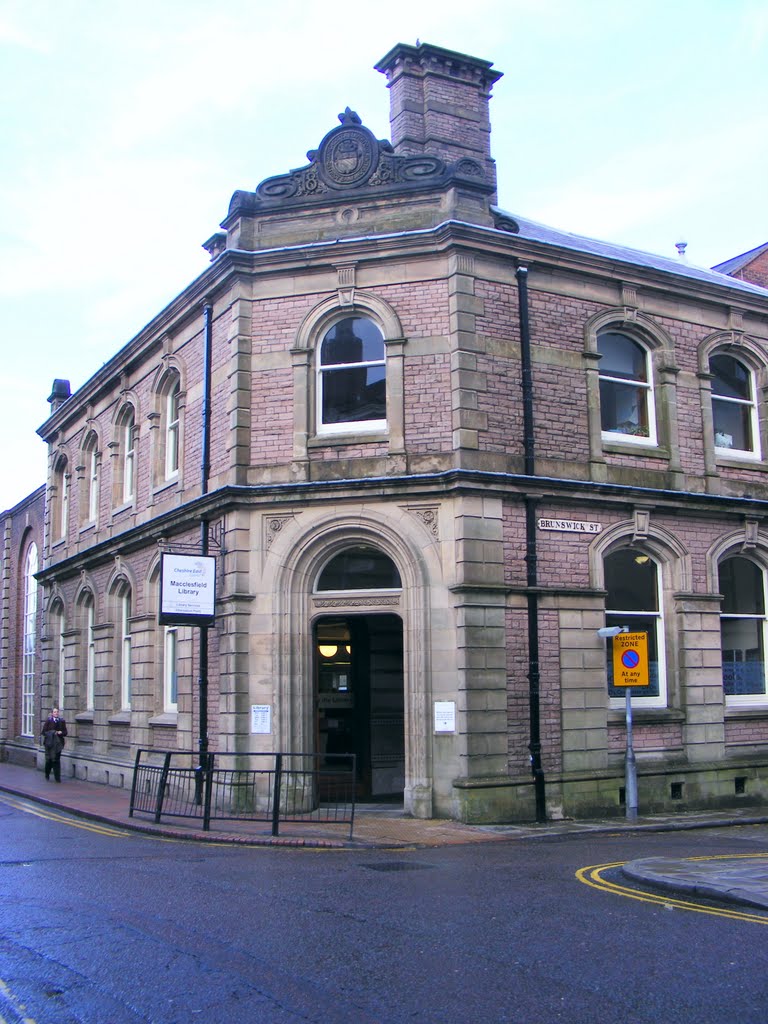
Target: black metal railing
282 787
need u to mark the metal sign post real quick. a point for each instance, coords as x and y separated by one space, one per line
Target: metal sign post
630 668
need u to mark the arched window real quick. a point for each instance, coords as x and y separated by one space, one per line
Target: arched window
734 410
60 500
166 424
634 601
742 630
172 428
29 642
359 568
128 447
88 613
626 389
57 633
124 644
351 373
90 504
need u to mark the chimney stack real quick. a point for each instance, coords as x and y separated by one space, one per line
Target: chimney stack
439 104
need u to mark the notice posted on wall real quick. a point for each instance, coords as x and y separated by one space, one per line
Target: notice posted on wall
445 716
261 719
187 589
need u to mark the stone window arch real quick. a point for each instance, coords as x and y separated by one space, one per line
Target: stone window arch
642 567
59 499
86 612
121 600
125 456
167 422
348 375
90 470
732 373
58 634
302 557
631 385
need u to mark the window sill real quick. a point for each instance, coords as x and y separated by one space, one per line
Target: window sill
739 461
84 716
644 715
88 527
120 718
650 451
168 720
120 509
166 485
342 440
759 709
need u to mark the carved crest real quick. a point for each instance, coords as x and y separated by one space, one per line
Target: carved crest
350 158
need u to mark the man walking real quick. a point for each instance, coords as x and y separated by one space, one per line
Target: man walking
53 732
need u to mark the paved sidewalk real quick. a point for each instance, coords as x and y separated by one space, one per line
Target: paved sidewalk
741 880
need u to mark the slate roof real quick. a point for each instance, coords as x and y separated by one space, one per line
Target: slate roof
537 232
737 262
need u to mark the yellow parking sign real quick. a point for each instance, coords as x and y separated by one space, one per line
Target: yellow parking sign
630 659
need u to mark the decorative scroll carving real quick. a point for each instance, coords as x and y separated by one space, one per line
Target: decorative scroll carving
428 514
356 602
272 527
351 159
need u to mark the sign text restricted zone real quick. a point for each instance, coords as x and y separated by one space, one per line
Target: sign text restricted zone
630 659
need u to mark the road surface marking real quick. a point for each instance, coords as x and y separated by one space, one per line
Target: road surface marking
593 876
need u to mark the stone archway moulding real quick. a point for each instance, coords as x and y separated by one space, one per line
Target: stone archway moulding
300 551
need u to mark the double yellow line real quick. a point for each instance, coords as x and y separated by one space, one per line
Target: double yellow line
593 876
50 815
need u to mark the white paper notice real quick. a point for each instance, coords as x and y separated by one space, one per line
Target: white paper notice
445 716
261 719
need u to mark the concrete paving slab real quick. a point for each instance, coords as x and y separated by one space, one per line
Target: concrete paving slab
741 880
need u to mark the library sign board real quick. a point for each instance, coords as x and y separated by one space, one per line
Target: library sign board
187 590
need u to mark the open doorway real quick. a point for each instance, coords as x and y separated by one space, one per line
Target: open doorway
359 698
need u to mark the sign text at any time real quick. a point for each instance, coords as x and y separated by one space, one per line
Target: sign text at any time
630 659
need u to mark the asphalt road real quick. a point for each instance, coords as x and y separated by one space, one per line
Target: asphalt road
106 928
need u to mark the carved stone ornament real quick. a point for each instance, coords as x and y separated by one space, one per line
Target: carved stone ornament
350 159
356 602
428 516
272 527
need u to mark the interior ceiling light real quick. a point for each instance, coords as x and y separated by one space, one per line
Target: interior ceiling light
328 650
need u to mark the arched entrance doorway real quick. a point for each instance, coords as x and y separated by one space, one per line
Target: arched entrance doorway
354 566
359 699
358 692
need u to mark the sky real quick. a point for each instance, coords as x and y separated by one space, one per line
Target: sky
126 126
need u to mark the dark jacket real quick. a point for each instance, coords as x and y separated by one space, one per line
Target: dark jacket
53 732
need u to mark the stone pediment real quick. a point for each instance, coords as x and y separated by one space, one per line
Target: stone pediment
351 162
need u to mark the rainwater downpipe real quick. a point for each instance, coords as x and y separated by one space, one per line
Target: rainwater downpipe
531 553
205 470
